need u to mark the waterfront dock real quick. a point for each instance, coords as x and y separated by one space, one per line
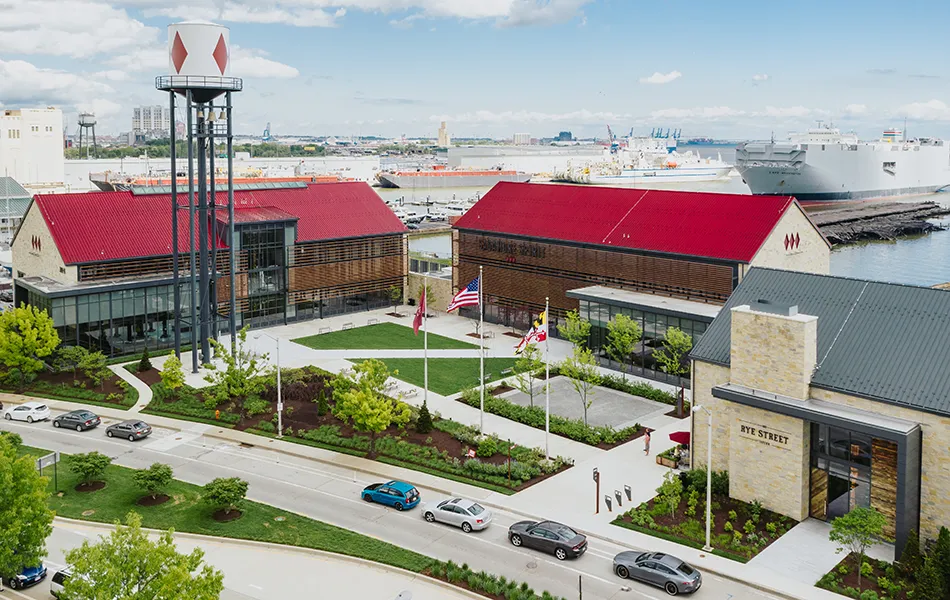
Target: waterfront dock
879 221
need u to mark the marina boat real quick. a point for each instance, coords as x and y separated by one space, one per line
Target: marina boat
825 165
442 178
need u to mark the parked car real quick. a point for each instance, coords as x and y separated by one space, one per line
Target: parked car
460 512
58 581
28 411
80 420
27 577
659 569
132 429
548 536
397 494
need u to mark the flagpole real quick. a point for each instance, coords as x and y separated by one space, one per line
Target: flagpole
481 356
547 377
425 338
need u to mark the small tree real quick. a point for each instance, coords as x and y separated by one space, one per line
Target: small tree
322 406
676 346
241 375
670 491
575 329
424 423
94 366
528 363
929 585
623 335
154 480
145 364
581 370
856 530
364 404
225 492
173 377
395 294
910 559
27 337
68 358
127 564
941 555
89 467
25 518
430 295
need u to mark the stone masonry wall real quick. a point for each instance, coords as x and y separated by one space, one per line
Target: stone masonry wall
42 259
812 254
773 353
705 377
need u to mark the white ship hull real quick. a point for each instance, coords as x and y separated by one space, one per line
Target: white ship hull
816 172
639 177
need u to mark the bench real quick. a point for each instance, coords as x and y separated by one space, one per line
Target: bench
506 372
324 330
347 326
373 322
411 392
489 334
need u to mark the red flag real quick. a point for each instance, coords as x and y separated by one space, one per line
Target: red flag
417 322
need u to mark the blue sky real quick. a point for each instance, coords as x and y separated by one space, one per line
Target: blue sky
733 68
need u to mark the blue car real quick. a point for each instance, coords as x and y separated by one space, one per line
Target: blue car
27 577
397 494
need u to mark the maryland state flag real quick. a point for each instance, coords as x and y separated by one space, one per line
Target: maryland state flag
537 334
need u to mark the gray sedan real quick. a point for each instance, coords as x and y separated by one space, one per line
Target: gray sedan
80 420
659 569
132 430
548 536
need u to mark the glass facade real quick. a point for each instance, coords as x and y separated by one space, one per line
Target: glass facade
841 471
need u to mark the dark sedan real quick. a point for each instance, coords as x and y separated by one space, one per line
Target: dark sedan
27 577
659 569
80 420
132 430
548 536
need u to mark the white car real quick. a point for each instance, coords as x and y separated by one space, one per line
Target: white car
28 411
460 512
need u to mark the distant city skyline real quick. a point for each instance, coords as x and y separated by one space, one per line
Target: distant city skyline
493 68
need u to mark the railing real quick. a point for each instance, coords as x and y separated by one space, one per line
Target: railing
175 82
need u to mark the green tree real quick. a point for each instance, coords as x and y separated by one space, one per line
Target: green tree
929 585
676 346
225 492
623 335
25 519
856 530
27 337
172 375
128 565
941 555
68 358
395 294
322 405
581 370
154 480
575 329
88 467
241 376
145 364
424 422
528 364
365 405
670 491
910 559
95 366
430 295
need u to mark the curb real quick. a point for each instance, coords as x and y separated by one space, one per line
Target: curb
285 548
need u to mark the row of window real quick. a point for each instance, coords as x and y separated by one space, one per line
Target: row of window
13 134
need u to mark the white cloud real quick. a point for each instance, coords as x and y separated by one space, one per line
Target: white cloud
661 78
709 113
787 112
933 110
760 77
856 110
253 63
23 83
522 116
541 12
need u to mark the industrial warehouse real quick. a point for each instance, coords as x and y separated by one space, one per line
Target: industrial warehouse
665 258
827 394
101 262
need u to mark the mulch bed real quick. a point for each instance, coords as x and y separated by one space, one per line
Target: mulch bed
513 334
108 386
153 501
476 336
92 486
501 389
223 517
672 413
851 561
150 377
397 315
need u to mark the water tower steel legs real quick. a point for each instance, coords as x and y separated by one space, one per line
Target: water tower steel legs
213 229
204 330
191 235
231 239
175 282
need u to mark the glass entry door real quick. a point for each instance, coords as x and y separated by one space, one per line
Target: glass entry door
840 471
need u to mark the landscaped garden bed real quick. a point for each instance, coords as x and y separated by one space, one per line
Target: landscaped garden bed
111 391
739 530
879 577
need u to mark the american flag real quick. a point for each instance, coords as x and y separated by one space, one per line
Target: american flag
467 297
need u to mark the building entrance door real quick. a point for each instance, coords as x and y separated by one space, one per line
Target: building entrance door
840 472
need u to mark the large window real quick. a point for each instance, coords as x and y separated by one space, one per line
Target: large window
841 471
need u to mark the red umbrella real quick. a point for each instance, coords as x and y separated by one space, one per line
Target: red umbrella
680 437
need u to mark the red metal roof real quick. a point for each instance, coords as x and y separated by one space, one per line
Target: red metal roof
261 214
102 226
723 226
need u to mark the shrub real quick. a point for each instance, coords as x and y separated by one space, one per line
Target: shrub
772 528
911 560
843 569
487 448
748 526
733 516
225 492
736 538
154 479
289 410
255 406
145 364
866 569
691 503
727 526
267 427
869 595
90 466
322 406
424 421
755 509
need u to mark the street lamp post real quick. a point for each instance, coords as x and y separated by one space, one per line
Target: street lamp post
708 546
280 402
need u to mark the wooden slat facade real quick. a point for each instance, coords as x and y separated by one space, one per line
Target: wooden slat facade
819 494
884 482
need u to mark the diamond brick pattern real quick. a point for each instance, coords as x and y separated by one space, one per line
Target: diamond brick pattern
179 53
220 54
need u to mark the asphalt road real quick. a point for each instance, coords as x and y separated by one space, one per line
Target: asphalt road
332 494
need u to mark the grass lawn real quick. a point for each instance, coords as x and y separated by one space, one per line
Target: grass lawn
384 336
447 376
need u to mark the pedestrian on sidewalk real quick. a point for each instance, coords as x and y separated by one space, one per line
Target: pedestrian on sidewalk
646 443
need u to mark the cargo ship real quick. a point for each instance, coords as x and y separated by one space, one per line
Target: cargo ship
109 181
825 165
443 178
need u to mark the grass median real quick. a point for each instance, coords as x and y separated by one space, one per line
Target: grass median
383 336
447 376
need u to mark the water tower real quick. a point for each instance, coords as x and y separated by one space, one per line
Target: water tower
87 124
199 66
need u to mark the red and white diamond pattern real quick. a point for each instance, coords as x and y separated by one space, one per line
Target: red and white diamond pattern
792 241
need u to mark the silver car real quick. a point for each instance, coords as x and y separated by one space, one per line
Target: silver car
659 569
460 512
132 429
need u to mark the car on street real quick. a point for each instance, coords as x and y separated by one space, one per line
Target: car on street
58 581
132 430
28 411
460 512
548 536
27 577
80 420
398 494
659 569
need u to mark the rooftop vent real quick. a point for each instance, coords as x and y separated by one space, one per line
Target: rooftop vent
775 308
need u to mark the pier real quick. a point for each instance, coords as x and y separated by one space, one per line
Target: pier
879 221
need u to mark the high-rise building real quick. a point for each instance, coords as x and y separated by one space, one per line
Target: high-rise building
522 139
151 119
444 139
31 145
565 136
